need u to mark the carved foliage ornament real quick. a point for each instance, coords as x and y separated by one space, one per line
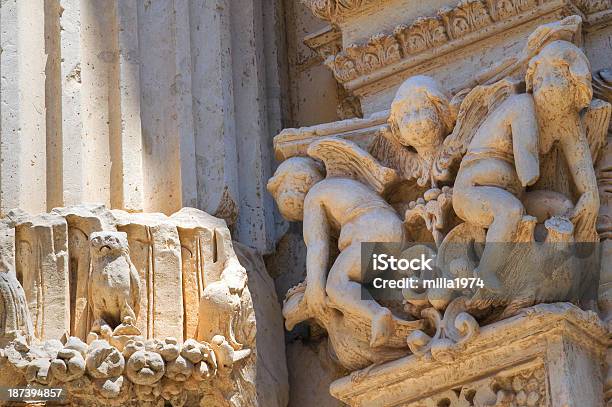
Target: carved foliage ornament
334 10
425 33
499 134
117 359
526 387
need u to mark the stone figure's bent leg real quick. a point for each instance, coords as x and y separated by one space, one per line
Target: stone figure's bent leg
344 288
501 212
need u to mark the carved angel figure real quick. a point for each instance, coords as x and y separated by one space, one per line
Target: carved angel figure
505 134
347 204
560 80
420 118
501 160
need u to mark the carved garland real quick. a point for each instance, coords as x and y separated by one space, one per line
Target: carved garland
429 32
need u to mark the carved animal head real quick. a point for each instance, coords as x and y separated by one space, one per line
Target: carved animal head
290 184
108 244
421 114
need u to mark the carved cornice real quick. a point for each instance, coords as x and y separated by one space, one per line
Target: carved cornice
593 6
523 341
335 10
451 28
326 42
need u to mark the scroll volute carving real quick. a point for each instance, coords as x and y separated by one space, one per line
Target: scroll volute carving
481 153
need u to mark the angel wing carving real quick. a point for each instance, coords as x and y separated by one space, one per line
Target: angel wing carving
475 107
343 158
389 152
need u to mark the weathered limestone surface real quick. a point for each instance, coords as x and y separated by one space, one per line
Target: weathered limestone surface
559 346
440 121
199 258
22 63
156 253
482 137
134 308
310 375
82 221
41 252
144 106
272 373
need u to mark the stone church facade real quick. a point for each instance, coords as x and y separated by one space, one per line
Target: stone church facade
187 189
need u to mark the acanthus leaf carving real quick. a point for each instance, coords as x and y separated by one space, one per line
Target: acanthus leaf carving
423 33
450 25
468 16
334 10
593 6
501 9
343 67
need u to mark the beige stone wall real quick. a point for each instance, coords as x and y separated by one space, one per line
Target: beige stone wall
312 88
145 106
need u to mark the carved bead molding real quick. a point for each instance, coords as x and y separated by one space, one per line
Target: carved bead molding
335 10
450 25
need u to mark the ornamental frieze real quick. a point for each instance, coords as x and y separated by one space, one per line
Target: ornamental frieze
452 27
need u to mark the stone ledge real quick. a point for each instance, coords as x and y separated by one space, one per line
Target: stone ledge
538 334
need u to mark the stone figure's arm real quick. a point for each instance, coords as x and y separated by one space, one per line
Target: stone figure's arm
578 157
317 239
524 126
